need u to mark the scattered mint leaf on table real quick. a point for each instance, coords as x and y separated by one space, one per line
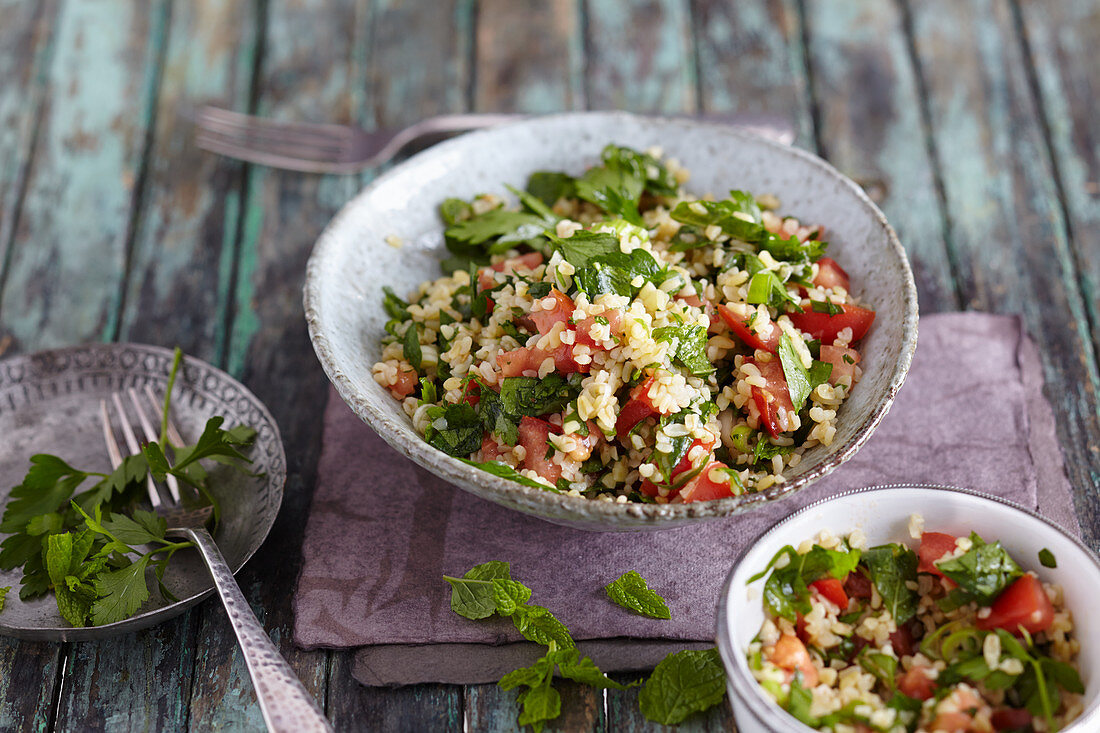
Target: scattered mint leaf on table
683 683
632 592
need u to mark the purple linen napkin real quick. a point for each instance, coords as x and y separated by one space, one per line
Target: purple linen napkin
383 531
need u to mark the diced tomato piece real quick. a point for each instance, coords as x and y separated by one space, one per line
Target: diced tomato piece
693 300
857 585
490 449
534 435
773 400
636 409
528 261
614 320
685 462
561 311
1023 604
702 487
832 590
471 393
405 384
842 367
917 683
953 722
903 641
825 327
649 488
768 339
831 275
791 654
933 546
515 362
1011 719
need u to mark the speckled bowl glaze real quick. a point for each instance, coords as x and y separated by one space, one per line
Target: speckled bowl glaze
351 263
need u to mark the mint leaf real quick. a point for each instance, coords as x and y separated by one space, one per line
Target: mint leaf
509 595
411 346
505 471
537 624
890 567
799 702
455 429
1047 559
540 704
690 347
683 683
584 670
472 595
73 607
632 593
983 571
394 306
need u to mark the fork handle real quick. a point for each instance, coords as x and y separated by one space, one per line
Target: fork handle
286 705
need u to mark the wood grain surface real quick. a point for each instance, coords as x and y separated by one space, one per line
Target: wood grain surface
972 124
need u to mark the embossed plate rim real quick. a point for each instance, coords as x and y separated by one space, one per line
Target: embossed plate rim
120 360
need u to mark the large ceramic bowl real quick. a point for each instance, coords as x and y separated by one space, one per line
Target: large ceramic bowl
883 515
352 262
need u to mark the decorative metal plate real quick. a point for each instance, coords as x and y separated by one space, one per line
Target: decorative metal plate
49 403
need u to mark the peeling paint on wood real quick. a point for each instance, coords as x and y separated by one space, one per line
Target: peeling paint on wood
529 56
1006 227
871 129
640 57
69 247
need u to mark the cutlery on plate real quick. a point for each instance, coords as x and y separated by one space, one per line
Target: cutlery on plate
286 705
323 148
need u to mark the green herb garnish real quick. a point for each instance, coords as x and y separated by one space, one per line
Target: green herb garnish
684 683
632 592
91 548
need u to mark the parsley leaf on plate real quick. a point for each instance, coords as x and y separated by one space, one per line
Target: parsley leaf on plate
632 592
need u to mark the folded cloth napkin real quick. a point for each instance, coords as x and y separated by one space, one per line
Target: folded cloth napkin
383 531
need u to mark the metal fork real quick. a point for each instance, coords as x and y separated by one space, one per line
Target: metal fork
318 148
284 702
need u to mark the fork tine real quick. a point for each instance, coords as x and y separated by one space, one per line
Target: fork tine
212 118
135 448
151 435
109 435
319 164
173 434
207 140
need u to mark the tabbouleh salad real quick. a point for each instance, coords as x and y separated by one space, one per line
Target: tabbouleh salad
954 636
609 336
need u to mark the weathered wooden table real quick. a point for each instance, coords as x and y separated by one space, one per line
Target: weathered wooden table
972 123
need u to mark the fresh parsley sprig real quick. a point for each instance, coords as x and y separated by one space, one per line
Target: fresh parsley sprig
91 547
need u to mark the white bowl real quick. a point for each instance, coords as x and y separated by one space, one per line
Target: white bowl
882 513
352 262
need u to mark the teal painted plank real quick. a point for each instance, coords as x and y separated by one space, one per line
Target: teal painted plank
751 60
871 128
1006 229
311 70
188 217
419 58
624 715
640 56
69 248
529 56
1063 40
491 709
24 52
144 680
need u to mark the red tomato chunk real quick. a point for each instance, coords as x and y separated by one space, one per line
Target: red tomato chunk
825 327
1024 604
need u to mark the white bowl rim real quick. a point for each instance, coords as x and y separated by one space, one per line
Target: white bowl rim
563 506
747 689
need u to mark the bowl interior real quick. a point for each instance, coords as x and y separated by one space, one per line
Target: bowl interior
883 515
352 262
